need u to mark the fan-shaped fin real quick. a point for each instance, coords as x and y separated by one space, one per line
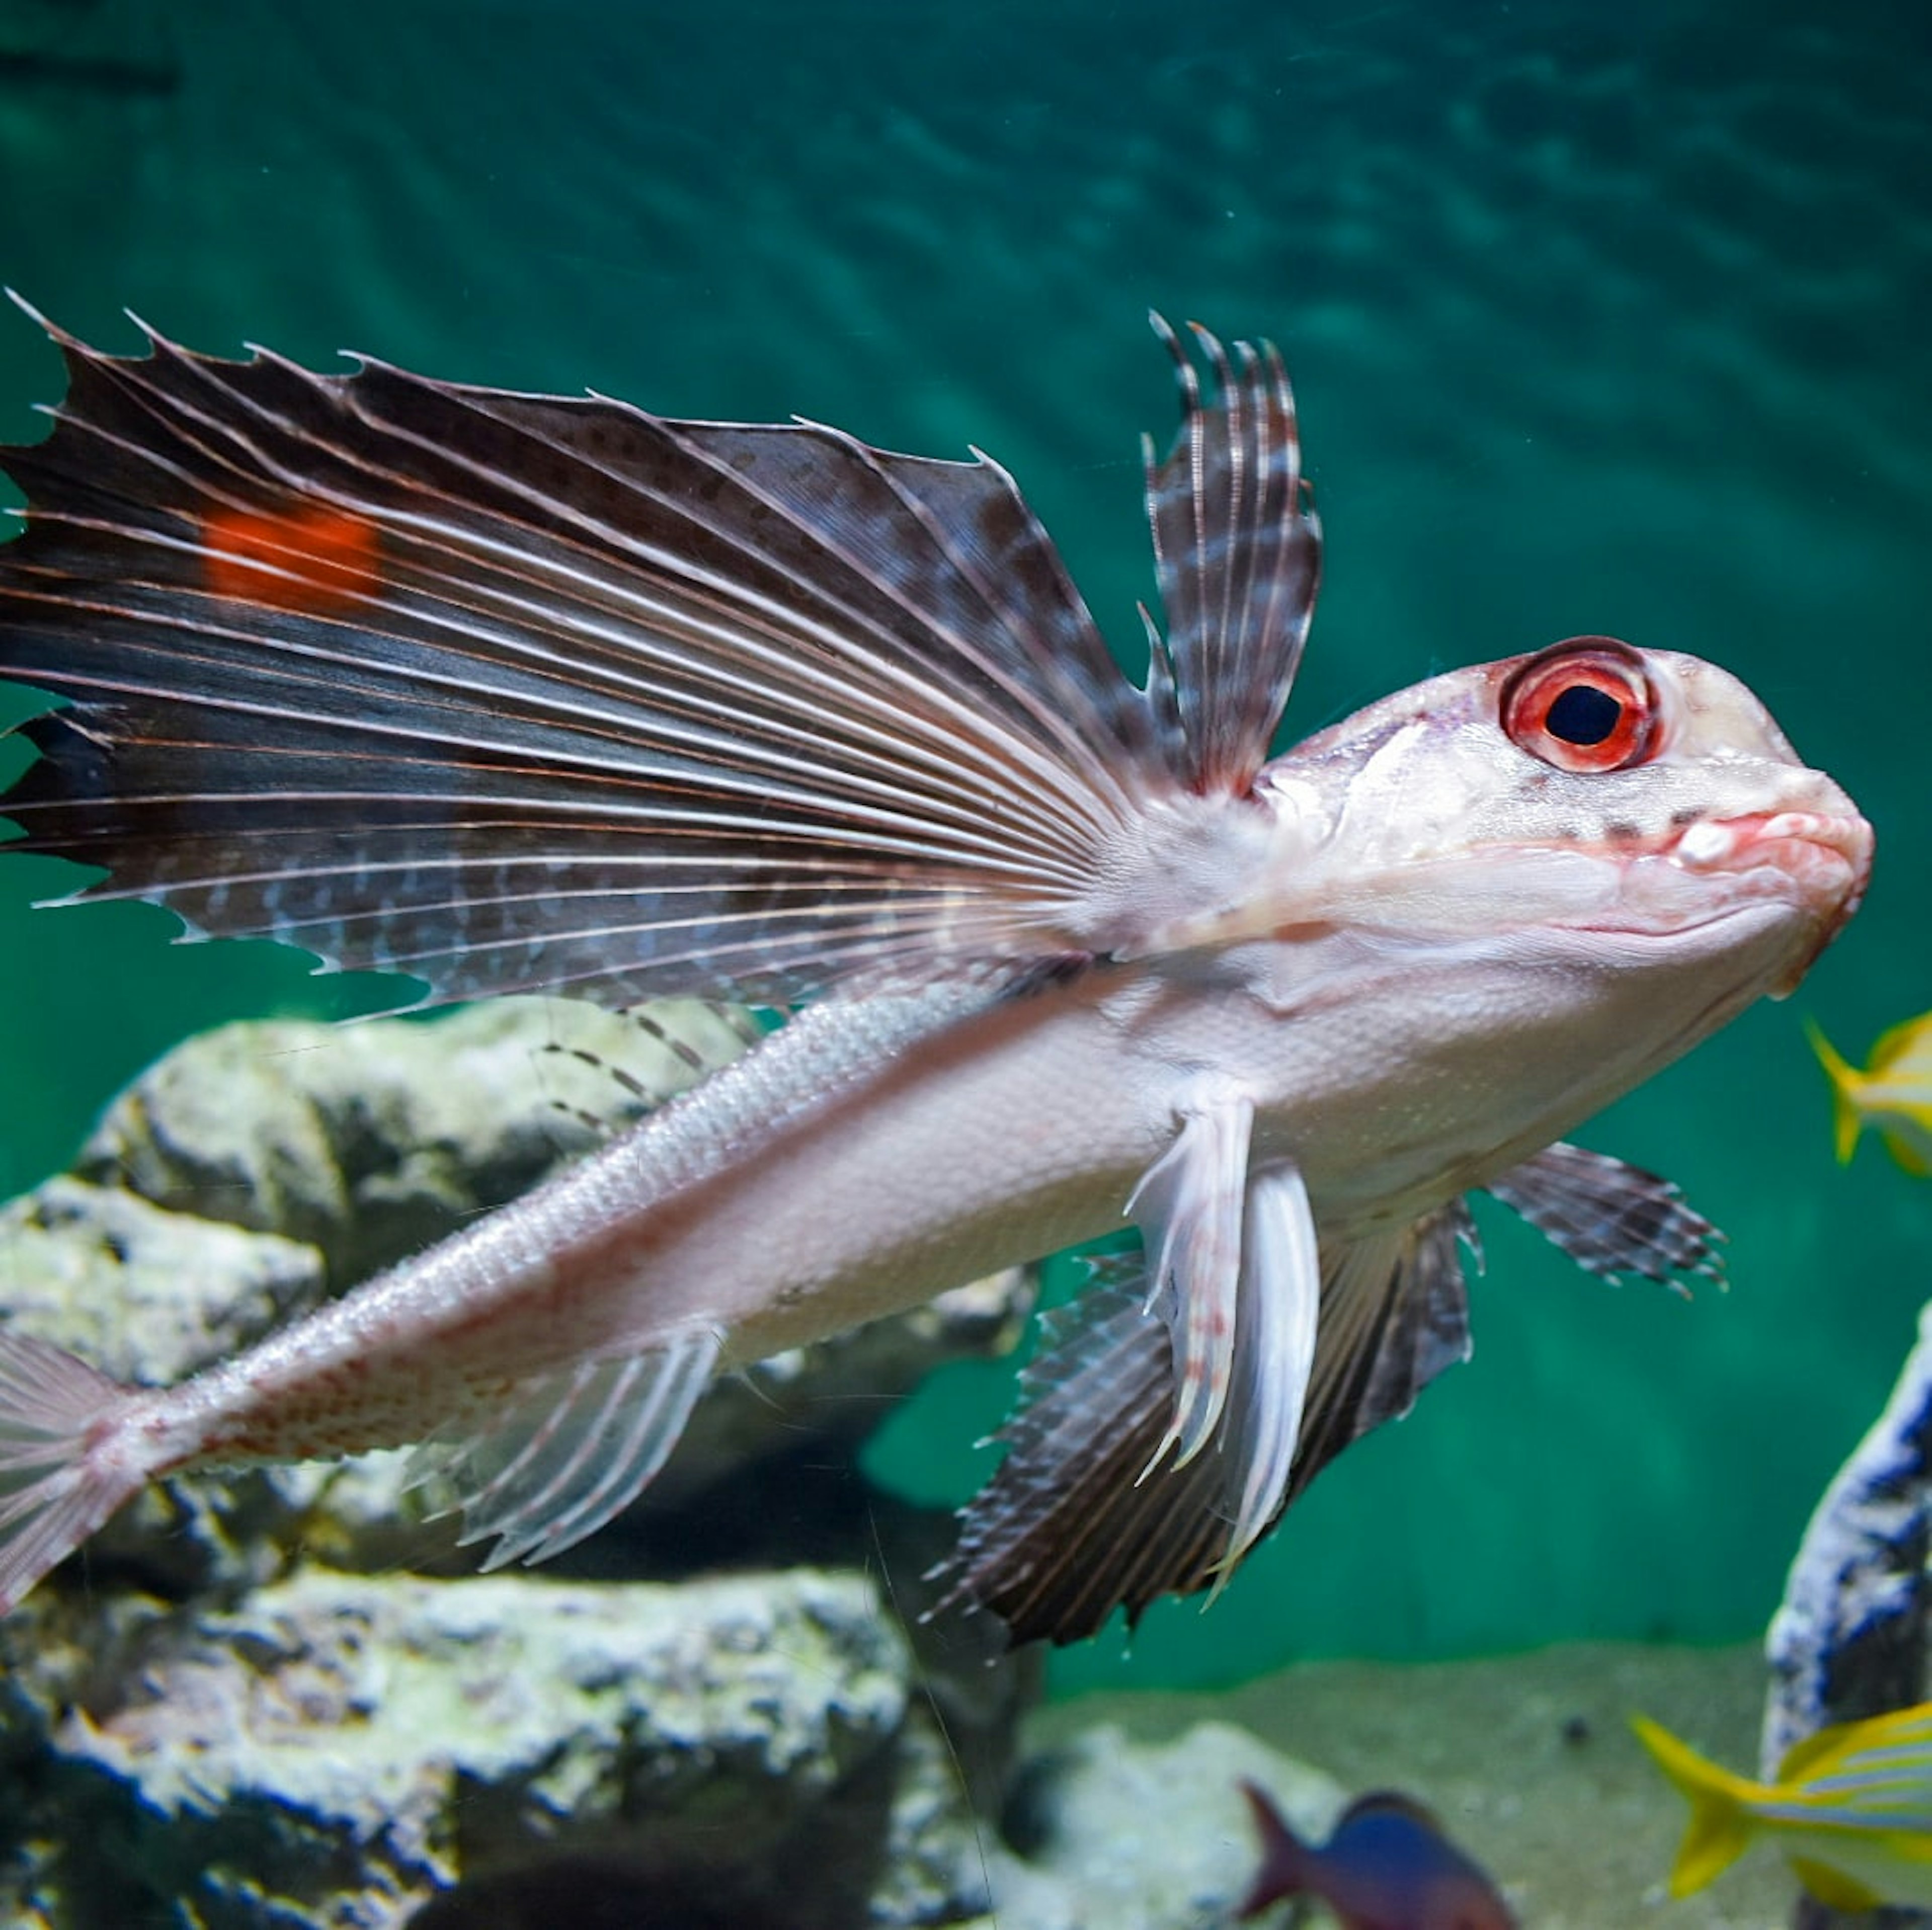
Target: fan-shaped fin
504 691
1067 1530
1395 1313
510 692
1611 1218
572 1450
1238 547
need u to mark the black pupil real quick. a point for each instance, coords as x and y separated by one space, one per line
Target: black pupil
1583 714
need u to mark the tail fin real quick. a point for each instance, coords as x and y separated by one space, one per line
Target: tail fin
1720 1828
1285 1858
1846 1120
63 1465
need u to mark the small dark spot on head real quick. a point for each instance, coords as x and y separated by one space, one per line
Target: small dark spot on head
1687 815
1622 833
1575 1730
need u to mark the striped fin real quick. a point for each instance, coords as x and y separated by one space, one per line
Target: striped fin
508 692
1395 1313
1238 545
571 1451
511 693
1611 1218
1067 1529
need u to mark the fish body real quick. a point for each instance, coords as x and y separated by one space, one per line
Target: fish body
505 692
1851 1810
1893 1093
1386 1866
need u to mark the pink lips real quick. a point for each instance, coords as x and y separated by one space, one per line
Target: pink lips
1826 855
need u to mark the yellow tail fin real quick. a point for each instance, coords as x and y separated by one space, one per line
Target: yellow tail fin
1720 1828
1846 1120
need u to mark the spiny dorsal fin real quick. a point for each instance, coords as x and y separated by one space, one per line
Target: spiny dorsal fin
1238 548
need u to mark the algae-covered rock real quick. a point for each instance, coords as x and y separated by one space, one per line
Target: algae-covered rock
339 1749
143 1293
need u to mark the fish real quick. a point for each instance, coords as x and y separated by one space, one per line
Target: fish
504 693
1387 1865
1893 1093
1851 1810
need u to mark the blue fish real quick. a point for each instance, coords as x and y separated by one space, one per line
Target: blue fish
1387 1866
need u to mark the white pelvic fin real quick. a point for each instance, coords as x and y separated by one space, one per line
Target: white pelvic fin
573 1449
1189 1207
65 1467
1279 1301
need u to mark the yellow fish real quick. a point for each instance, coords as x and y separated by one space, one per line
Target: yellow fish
1894 1093
1851 1809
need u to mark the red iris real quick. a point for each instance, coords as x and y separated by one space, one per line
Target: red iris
1584 704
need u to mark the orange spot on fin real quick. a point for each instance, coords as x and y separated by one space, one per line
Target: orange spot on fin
308 557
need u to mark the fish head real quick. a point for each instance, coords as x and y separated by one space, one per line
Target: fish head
1503 898
1591 796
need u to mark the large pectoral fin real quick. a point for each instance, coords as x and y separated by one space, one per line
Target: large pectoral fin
1070 1527
1611 1218
512 692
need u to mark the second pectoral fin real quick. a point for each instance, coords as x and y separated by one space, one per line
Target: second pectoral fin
1611 1218
1069 1527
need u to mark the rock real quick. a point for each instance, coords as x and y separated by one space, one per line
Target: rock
1852 1636
341 1749
142 1293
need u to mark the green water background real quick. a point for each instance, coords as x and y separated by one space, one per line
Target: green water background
1603 319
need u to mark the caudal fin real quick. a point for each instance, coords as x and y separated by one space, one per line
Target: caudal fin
63 1469
1846 1120
1720 1827
1286 1864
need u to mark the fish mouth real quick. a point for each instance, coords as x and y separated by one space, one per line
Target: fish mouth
1819 862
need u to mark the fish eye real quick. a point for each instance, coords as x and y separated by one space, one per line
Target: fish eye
1584 704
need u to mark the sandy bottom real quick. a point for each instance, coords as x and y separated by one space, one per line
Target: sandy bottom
1528 1759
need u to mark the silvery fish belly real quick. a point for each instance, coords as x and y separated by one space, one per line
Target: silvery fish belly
506 692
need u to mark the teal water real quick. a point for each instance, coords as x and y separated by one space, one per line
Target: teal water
1602 320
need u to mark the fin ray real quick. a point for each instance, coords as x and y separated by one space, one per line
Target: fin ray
1238 548
1611 1218
1189 1205
526 692
572 1450
65 1464
1274 1354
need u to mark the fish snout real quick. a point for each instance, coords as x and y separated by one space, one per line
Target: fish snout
1816 852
